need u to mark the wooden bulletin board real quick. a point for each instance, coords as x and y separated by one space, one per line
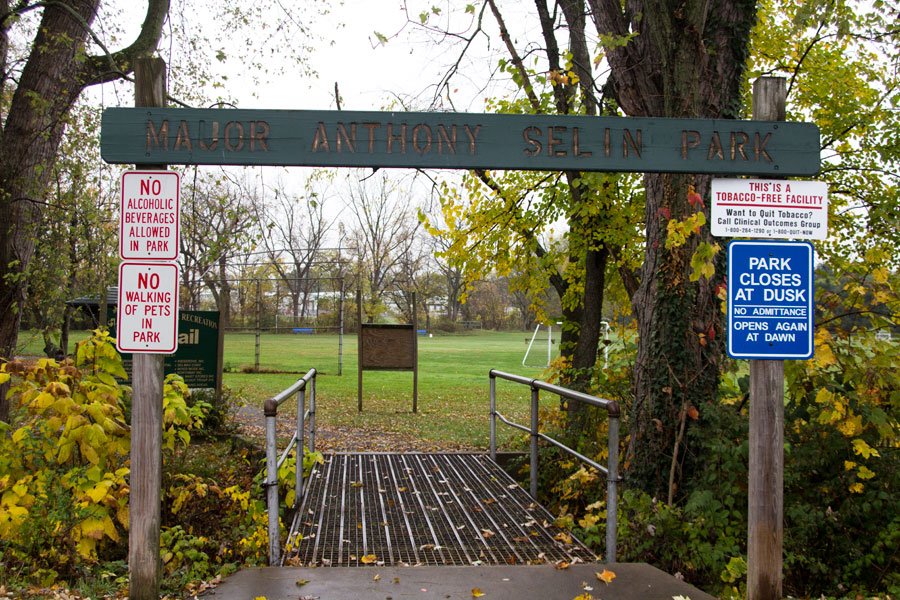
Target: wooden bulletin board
387 347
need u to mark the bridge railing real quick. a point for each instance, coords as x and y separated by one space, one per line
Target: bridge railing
274 462
612 466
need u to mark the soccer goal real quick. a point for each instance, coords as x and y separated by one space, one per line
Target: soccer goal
535 338
549 340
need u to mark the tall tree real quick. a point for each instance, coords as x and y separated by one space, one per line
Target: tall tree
659 58
218 222
55 72
682 60
500 221
383 231
293 231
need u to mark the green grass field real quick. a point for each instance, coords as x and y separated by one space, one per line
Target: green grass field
453 381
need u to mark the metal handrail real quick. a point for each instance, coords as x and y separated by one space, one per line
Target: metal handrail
612 466
270 409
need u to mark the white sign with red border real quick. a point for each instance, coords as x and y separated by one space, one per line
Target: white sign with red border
148 307
773 209
149 215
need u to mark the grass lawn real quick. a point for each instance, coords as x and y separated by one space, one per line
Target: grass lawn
453 381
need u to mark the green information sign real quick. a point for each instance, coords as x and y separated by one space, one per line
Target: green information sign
457 141
197 354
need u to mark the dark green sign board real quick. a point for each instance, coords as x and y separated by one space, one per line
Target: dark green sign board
457 141
197 354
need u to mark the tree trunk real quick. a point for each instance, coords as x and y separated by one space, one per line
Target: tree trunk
686 61
55 73
31 135
680 333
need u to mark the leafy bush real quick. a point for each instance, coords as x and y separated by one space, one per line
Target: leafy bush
63 475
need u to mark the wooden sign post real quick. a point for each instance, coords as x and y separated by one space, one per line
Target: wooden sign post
146 407
384 347
765 530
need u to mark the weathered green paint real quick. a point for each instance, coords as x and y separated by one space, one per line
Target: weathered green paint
457 141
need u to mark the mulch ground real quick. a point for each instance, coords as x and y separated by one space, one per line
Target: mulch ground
335 439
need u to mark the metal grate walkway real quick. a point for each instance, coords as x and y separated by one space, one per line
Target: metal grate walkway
422 509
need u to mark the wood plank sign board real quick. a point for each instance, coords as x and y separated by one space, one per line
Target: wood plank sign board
457 141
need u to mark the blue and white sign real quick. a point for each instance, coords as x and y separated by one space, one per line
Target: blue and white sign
770 300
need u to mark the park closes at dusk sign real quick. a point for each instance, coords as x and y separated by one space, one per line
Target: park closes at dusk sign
446 140
770 300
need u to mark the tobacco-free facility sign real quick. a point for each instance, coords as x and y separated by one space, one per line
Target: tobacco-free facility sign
770 300
760 208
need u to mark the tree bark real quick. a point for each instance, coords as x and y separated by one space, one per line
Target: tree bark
686 61
53 77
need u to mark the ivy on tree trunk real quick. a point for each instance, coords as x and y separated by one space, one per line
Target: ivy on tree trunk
682 60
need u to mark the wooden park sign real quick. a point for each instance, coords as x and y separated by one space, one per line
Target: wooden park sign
387 347
458 141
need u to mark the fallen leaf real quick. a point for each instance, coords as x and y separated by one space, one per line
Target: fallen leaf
563 537
477 593
356 484
486 533
562 565
606 576
377 577
300 582
367 559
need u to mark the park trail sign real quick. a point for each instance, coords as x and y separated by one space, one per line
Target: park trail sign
457 141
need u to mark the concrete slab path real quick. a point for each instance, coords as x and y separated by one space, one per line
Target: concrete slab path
633 581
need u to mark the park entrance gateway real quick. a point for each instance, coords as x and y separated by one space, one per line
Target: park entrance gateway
157 136
457 141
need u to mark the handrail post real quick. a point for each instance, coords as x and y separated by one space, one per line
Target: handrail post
535 397
493 394
312 414
300 433
612 482
271 410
